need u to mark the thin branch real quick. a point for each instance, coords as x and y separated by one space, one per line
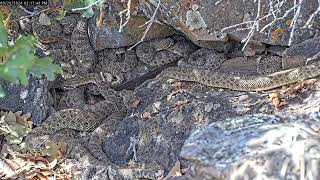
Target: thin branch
280 18
254 28
128 16
25 10
311 18
150 22
87 7
294 21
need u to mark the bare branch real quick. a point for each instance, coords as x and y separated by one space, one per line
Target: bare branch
150 22
128 16
311 18
254 27
294 21
275 9
87 7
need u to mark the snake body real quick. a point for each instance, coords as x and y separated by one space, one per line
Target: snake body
243 83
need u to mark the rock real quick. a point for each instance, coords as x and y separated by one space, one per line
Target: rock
32 99
107 35
180 48
211 24
168 111
254 146
117 144
300 54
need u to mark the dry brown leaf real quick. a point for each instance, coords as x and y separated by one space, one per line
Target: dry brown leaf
278 103
276 34
276 100
288 22
34 158
146 115
136 103
42 177
134 7
299 85
101 17
45 172
24 119
6 169
31 174
55 150
175 170
170 96
5 11
13 164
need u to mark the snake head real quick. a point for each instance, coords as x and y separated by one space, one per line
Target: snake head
163 44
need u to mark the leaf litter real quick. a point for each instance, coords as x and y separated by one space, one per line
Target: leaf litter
15 163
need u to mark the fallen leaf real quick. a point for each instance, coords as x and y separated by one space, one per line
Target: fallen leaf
5 11
146 115
136 103
34 158
55 150
276 34
175 170
24 119
276 100
288 22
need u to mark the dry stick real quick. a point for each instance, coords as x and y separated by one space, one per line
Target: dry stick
293 22
255 27
36 13
25 10
277 19
89 6
150 22
271 12
311 18
128 16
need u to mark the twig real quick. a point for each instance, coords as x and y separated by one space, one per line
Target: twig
87 7
128 16
25 10
254 28
316 56
294 21
280 18
311 18
150 22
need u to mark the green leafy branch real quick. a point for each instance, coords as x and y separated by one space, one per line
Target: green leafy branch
18 60
81 5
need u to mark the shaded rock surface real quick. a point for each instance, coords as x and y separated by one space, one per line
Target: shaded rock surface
255 146
108 35
168 111
33 99
201 20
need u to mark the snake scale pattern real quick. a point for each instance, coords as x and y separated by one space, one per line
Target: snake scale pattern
88 118
244 83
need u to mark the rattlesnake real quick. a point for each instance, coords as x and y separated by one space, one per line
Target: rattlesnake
244 83
116 62
161 51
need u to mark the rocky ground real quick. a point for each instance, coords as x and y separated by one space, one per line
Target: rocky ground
191 130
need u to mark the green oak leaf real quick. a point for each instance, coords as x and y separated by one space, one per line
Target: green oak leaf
44 66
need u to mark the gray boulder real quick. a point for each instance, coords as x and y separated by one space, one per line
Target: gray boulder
33 98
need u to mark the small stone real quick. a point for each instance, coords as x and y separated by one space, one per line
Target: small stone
216 106
157 105
208 107
177 118
194 19
44 19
